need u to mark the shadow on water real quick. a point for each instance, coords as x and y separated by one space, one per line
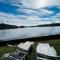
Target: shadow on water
44 38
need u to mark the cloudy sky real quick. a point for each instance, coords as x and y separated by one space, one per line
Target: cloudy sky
29 12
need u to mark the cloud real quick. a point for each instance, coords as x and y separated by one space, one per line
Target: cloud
33 3
21 20
30 12
40 3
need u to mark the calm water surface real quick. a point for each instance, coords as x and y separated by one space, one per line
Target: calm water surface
21 33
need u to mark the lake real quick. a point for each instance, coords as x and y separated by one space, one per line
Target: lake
29 32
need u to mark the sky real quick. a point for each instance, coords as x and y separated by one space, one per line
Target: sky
29 12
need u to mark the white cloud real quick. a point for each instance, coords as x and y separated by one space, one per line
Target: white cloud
40 3
39 13
47 11
33 17
57 18
33 3
21 20
27 11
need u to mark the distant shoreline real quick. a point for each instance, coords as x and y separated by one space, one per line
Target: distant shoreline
7 26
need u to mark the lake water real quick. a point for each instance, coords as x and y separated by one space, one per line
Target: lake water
21 33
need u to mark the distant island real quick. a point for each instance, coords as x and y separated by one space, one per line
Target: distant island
7 26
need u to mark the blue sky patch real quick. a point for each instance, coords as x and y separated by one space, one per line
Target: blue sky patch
7 8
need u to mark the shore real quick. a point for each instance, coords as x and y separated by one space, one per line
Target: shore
52 40
44 38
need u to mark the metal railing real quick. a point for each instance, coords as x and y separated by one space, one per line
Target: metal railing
47 57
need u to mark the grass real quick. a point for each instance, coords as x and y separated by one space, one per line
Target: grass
5 49
54 43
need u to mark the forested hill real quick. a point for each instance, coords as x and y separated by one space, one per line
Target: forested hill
7 26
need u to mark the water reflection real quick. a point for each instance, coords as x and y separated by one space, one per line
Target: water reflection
21 33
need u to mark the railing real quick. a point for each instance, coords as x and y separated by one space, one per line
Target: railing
47 57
